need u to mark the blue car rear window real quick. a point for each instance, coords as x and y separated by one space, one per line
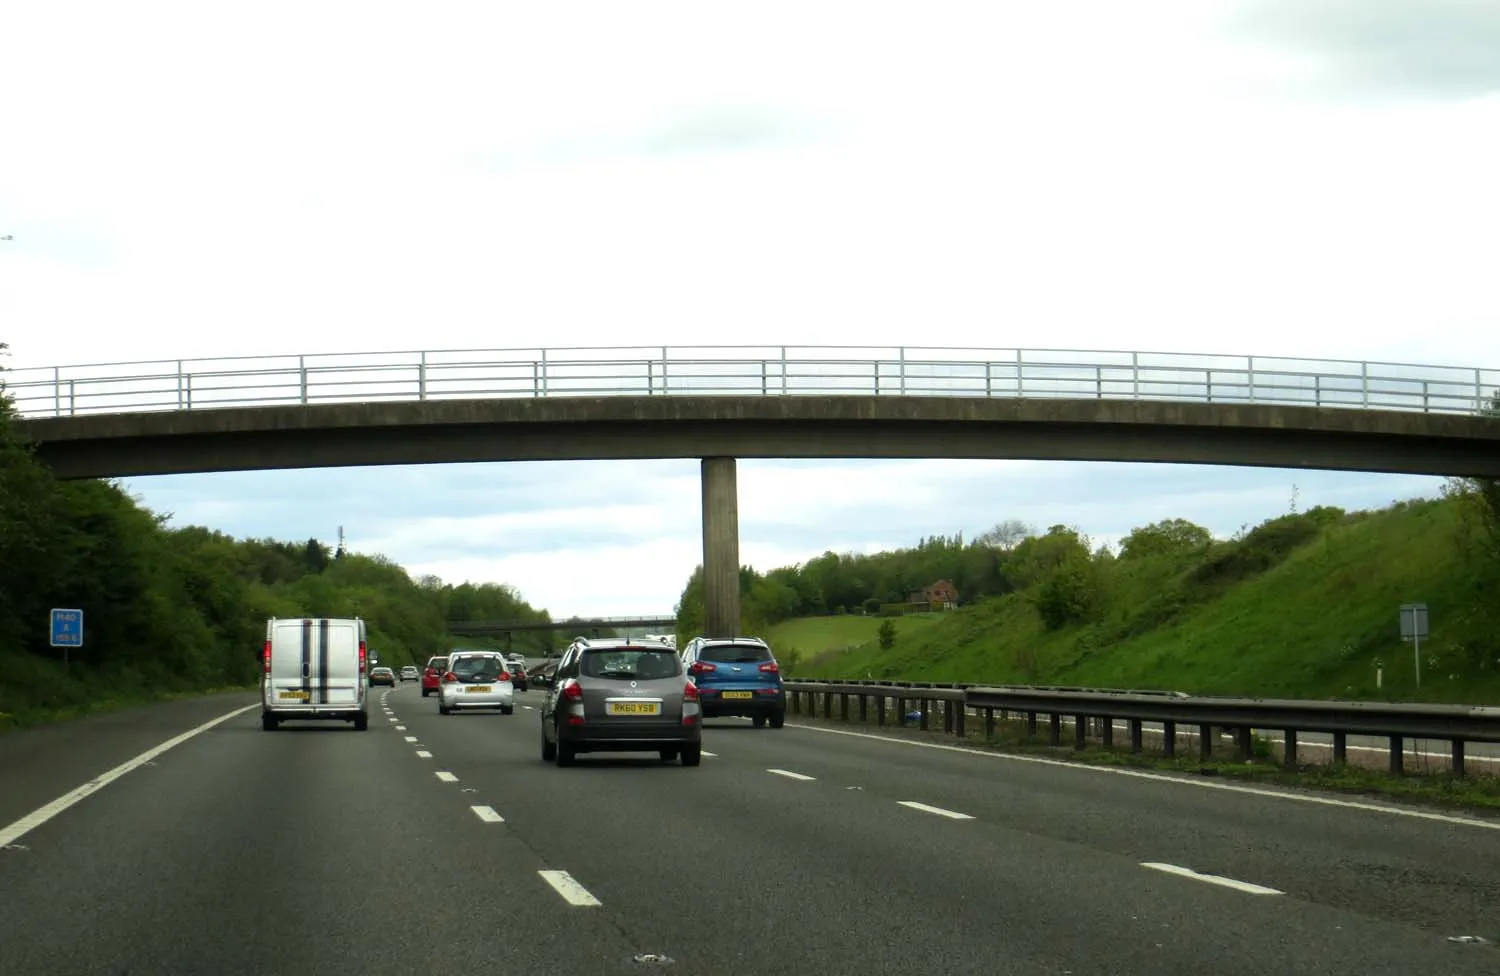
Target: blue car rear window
734 653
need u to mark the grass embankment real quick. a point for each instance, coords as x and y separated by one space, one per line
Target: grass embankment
1301 611
35 691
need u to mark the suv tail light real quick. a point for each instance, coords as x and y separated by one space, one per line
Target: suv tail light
771 667
266 658
690 692
573 691
701 667
689 703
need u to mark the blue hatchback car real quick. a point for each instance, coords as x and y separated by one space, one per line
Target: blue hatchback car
737 676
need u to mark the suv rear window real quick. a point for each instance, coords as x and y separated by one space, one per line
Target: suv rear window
734 653
629 662
478 665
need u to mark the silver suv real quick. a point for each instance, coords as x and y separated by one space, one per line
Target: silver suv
621 695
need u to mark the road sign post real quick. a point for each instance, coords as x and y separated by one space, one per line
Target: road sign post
1414 628
67 630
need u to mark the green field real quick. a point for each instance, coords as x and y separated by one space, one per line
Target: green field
1315 623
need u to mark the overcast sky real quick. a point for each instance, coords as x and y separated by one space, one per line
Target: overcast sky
1286 177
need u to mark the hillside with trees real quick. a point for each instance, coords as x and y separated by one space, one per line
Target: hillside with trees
174 610
1302 605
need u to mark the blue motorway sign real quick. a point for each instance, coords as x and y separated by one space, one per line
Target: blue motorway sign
67 628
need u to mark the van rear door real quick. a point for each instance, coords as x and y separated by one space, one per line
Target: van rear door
315 662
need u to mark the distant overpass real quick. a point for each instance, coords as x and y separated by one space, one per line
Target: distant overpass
719 404
476 628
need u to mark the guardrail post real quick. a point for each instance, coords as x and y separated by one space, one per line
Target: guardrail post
989 724
1020 376
72 397
783 393
1479 404
1425 406
862 714
844 705
1244 739
880 709
901 372
947 717
1205 742
1135 735
925 707
302 374
1107 733
989 379
1208 384
1364 384
188 388
764 380
1289 753
179 384
1054 729
827 705
56 391
544 372
422 376
1135 375
958 724
1397 744
1458 758
1317 389
1340 748
1080 732
1250 377
1099 382
1030 726
1169 739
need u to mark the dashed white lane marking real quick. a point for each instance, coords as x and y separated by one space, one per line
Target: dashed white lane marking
410 738
11 832
1245 886
423 754
400 728
393 720
950 814
711 755
1159 777
790 775
529 708
446 777
572 892
487 814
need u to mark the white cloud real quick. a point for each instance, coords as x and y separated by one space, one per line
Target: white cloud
187 180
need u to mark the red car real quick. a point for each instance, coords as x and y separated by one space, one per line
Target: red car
432 677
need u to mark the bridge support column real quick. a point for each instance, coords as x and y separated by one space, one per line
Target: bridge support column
721 548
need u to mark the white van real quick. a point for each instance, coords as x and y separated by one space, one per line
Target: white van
314 668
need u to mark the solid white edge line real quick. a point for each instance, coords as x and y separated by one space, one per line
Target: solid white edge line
1181 781
487 814
423 754
791 775
572 892
445 776
1214 879
950 814
10 833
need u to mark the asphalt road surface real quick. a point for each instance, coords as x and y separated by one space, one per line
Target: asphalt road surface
444 844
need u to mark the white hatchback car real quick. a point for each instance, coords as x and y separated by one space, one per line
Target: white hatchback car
476 679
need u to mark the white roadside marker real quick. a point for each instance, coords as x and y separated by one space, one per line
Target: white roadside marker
950 814
572 892
1245 886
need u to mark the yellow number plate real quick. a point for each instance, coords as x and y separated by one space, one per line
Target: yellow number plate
634 708
739 694
299 695
478 689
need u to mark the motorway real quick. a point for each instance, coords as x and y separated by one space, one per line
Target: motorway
444 844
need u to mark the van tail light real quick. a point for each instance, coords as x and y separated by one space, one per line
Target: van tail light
266 658
364 658
771 667
701 667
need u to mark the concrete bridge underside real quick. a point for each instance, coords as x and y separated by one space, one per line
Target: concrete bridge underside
719 429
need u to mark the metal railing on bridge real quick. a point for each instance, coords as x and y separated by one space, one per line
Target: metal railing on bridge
189 384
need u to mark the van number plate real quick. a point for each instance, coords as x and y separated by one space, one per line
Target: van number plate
298 695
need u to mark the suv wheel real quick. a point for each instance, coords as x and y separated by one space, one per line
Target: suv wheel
565 754
692 755
549 749
667 755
